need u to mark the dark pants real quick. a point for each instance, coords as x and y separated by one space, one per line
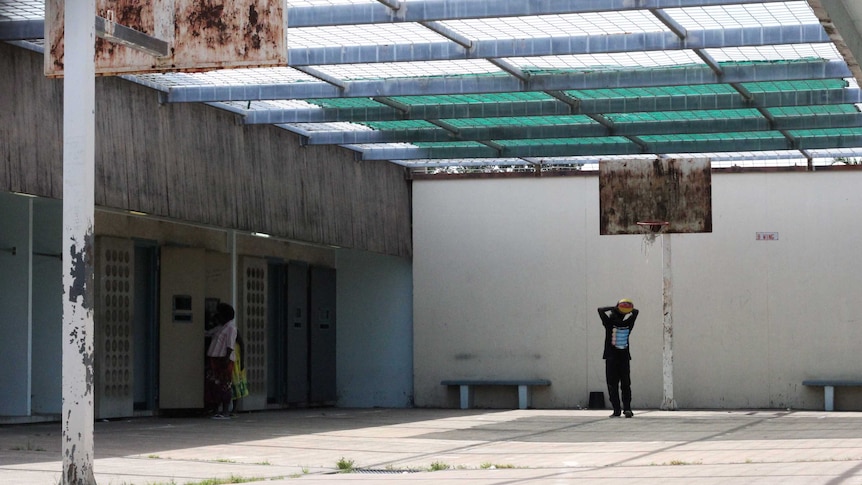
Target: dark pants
618 375
217 390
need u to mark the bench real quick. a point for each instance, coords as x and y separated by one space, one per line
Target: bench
829 386
466 386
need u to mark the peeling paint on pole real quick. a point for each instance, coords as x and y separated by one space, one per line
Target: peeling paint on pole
668 402
82 270
79 127
78 361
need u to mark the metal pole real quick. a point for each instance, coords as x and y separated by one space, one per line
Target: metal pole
29 257
234 270
668 402
79 122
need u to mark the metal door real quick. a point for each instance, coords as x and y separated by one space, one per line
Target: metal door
322 355
296 333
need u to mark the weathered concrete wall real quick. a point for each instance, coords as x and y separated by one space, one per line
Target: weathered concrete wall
192 162
508 274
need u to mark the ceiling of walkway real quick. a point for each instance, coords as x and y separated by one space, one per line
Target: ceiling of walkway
490 85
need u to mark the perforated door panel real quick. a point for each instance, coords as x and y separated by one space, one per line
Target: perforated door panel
114 305
253 328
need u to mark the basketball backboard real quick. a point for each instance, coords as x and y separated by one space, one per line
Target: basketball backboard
200 35
678 191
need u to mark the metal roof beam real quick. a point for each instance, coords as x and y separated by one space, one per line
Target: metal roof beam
416 112
670 23
450 34
464 134
512 69
432 10
673 76
393 4
557 46
21 29
598 149
554 107
568 161
580 130
339 83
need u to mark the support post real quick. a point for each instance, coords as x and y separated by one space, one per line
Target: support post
829 398
29 256
234 270
466 396
79 126
668 402
524 396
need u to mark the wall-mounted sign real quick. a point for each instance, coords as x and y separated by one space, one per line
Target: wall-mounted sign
182 309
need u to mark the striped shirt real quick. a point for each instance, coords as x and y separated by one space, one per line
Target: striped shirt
223 340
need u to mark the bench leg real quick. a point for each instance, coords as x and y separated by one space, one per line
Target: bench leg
829 397
466 397
523 397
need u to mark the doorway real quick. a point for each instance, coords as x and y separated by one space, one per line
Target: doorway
145 326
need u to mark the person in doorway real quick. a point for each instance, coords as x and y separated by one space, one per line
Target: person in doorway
220 359
618 320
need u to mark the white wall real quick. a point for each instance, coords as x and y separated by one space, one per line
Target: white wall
508 274
374 346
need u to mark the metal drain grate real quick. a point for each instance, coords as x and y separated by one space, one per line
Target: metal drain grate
374 471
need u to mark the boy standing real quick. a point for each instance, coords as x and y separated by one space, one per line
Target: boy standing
618 320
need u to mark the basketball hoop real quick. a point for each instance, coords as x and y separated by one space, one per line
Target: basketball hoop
654 226
651 228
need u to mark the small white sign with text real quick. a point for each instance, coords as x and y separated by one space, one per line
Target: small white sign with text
766 236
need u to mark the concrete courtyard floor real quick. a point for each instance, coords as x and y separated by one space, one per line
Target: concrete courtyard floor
475 447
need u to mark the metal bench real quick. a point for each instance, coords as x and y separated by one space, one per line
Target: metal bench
466 387
829 386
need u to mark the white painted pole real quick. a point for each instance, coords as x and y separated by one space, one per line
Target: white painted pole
29 256
668 402
79 126
234 271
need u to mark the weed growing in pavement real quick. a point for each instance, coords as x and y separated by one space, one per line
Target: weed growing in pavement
345 465
495 466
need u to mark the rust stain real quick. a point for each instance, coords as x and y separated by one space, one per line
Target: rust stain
206 19
674 190
253 28
55 35
206 35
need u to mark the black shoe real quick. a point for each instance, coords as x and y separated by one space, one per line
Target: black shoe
615 415
629 414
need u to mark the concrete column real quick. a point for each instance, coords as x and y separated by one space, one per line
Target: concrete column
79 122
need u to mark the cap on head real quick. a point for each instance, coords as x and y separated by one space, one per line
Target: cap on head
625 305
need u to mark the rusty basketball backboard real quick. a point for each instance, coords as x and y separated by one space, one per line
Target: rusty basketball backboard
678 191
201 35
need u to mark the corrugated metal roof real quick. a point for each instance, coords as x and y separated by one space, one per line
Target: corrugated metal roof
430 84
